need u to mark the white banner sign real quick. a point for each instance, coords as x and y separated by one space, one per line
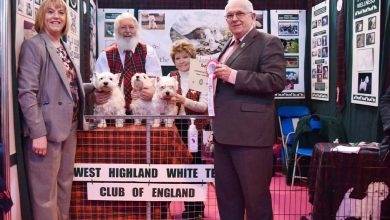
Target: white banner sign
320 52
146 192
365 52
206 29
290 27
90 172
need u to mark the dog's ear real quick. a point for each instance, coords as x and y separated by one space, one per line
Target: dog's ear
117 77
94 79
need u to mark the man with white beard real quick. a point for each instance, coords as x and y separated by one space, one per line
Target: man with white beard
127 57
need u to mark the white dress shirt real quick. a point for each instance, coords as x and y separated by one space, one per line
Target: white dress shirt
152 62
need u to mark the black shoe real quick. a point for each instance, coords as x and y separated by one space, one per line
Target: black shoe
190 215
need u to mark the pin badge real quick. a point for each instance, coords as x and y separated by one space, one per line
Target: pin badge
242 45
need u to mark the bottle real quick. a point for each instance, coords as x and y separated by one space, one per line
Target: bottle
192 137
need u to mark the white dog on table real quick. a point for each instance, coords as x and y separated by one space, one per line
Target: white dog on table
141 81
115 106
163 103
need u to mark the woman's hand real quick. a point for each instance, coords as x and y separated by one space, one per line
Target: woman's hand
147 94
180 99
39 146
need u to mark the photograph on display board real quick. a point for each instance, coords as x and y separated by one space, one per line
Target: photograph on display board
365 59
319 52
314 43
313 73
325 72
259 21
319 86
313 24
319 68
292 77
324 40
359 26
29 9
108 29
319 41
73 4
324 20
364 83
38 2
288 28
292 61
20 5
319 77
290 45
319 22
208 40
360 40
370 38
314 53
372 23
151 21
324 52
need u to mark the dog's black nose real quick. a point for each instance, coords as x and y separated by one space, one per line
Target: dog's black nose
167 93
105 83
137 77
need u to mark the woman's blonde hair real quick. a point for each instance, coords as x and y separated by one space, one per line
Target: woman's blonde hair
182 45
40 16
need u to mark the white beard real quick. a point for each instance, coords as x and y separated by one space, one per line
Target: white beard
125 44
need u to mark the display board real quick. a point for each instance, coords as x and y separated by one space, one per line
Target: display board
365 52
106 18
206 29
290 27
320 50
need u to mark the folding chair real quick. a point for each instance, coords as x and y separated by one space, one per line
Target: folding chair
288 117
313 129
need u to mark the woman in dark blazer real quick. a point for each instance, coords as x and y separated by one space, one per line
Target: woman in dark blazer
51 97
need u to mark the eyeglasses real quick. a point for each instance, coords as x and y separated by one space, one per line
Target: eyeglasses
239 15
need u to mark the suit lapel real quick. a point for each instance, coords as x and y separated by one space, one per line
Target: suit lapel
248 40
58 64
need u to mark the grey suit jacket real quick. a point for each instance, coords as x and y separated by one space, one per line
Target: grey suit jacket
44 93
245 111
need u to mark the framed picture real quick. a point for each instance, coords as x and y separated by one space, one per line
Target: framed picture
372 23
370 38
360 40
359 26
288 28
292 61
364 83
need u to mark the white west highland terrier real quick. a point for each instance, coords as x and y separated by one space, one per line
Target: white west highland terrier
115 106
166 88
140 81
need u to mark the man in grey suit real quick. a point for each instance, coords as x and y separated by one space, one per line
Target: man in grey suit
252 70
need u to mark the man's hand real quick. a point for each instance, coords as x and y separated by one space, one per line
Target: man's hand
147 94
39 146
101 97
223 72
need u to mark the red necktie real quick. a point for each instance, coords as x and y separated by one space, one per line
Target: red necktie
230 51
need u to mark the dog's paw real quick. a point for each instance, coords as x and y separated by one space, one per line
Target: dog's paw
102 124
155 125
119 124
168 125
137 122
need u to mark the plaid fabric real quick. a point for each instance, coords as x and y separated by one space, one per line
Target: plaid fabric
134 63
193 95
124 145
332 174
